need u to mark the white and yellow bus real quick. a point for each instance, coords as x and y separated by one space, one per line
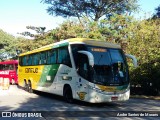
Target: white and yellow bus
77 68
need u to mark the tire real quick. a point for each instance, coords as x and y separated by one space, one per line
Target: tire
67 94
30 87
26 86
13 82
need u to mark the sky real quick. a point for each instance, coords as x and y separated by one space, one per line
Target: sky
15 15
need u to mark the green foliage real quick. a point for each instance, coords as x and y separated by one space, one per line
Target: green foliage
40 31
116 28
144 43
7 45
72 29
25 45
145 39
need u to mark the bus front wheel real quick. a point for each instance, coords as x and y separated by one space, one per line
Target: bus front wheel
67 94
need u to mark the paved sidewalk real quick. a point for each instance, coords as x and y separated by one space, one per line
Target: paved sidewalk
13 90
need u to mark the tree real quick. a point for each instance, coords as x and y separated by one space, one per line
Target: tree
74 29
93 9
145 45
157 14
40 31
116 28
7 45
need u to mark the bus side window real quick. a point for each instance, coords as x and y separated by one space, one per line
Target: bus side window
83 66
20 61
34 59
11 67
6 67
48 57
63 56
16 68
53 56
39 58
24 61
29 60
43 57
1 68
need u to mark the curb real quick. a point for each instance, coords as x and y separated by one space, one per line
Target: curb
145 97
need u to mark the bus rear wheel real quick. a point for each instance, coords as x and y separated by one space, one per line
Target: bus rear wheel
30 87
12 82
25 86
67 94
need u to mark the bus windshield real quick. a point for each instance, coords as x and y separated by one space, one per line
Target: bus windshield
110 67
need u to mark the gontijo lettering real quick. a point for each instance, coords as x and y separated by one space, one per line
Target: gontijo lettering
31 70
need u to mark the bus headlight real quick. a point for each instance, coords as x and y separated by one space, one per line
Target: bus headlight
95 89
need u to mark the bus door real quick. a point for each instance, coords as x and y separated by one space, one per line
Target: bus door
83 77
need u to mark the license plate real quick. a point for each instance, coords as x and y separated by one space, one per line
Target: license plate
114 98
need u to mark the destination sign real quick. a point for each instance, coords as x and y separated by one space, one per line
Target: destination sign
98 50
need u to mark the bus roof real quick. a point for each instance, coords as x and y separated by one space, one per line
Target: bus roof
86 41
94 42
9 62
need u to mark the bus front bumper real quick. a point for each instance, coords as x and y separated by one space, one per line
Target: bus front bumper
100 97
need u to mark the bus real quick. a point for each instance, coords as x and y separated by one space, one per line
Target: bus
8 69
78 68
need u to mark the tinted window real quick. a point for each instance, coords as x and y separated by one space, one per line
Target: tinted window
101 55
43 58
35 59
116 55
1 67
53 56
83 66
63 56
29 60
51 59
24 60
7 67
75 49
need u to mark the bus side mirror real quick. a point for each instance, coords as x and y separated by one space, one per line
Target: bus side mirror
134 60
89 55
